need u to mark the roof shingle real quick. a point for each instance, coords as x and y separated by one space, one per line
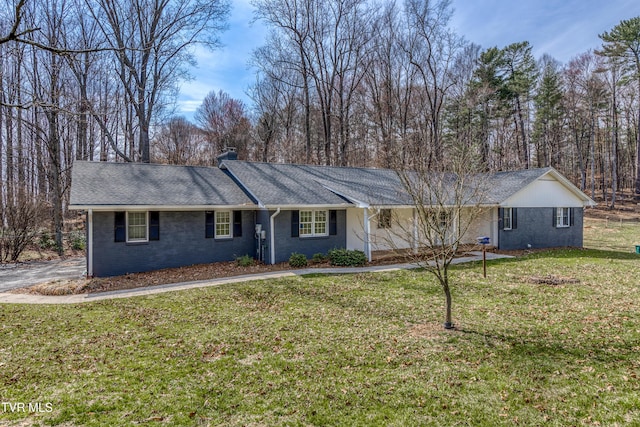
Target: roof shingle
140 184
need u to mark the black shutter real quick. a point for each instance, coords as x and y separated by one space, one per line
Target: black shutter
209 225
555 217
237 223
514 218
501 218
572 213
295 223
154 225
120 227
333 222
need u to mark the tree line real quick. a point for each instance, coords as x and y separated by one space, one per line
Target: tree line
351 83
345 82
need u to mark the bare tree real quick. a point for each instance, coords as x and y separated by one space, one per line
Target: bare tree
446 203
287 49
432 48
179 142
152 43
224 122
21 227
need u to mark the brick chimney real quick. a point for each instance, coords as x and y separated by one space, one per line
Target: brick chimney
229 154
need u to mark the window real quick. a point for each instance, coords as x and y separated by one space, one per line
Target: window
320 223
313 223
384 218
306 223
507 216
563 217
441 219
223 224
137 227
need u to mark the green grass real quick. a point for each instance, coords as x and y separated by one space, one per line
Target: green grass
353 350
611 235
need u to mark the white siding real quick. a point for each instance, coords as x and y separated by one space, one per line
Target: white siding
486 224
399 237
543 193
380 238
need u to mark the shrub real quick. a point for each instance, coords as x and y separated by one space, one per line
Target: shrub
298 260
319 258
245 261
46 240
77 240
347 258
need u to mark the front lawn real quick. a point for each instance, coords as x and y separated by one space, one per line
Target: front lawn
352 350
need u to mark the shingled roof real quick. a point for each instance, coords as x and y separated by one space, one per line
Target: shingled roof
109 185
253 184
274 184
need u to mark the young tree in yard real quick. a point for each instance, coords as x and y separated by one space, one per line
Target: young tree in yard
446 203
623 43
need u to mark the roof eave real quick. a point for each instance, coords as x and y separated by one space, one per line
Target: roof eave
308 206
173 208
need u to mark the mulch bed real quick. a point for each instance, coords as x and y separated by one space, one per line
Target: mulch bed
167 276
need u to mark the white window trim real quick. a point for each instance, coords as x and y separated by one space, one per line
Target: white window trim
313 223
215 225
560 217
146 220
504 217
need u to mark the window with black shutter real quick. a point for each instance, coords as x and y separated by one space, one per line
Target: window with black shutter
209 225
237 223
120 227
333 222
154 225
295 223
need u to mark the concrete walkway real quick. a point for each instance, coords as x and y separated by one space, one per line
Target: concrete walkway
8 298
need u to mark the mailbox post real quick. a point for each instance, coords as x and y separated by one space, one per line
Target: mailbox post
484 241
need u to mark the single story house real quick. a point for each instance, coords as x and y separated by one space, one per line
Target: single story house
143 217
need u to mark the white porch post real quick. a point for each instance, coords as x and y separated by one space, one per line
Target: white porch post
90 243
454 232
414 244
367 232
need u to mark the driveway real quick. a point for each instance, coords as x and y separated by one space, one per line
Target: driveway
20 275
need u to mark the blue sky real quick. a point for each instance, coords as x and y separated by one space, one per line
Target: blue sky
562 29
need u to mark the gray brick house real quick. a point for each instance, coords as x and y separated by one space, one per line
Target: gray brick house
143 217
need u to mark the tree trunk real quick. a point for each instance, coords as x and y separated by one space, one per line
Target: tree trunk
592 155
55 177
614 146
523 135
448 321
637 189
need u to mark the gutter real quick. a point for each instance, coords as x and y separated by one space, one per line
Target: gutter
272 236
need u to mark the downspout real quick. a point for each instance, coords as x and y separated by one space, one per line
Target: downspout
90 243
272 236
